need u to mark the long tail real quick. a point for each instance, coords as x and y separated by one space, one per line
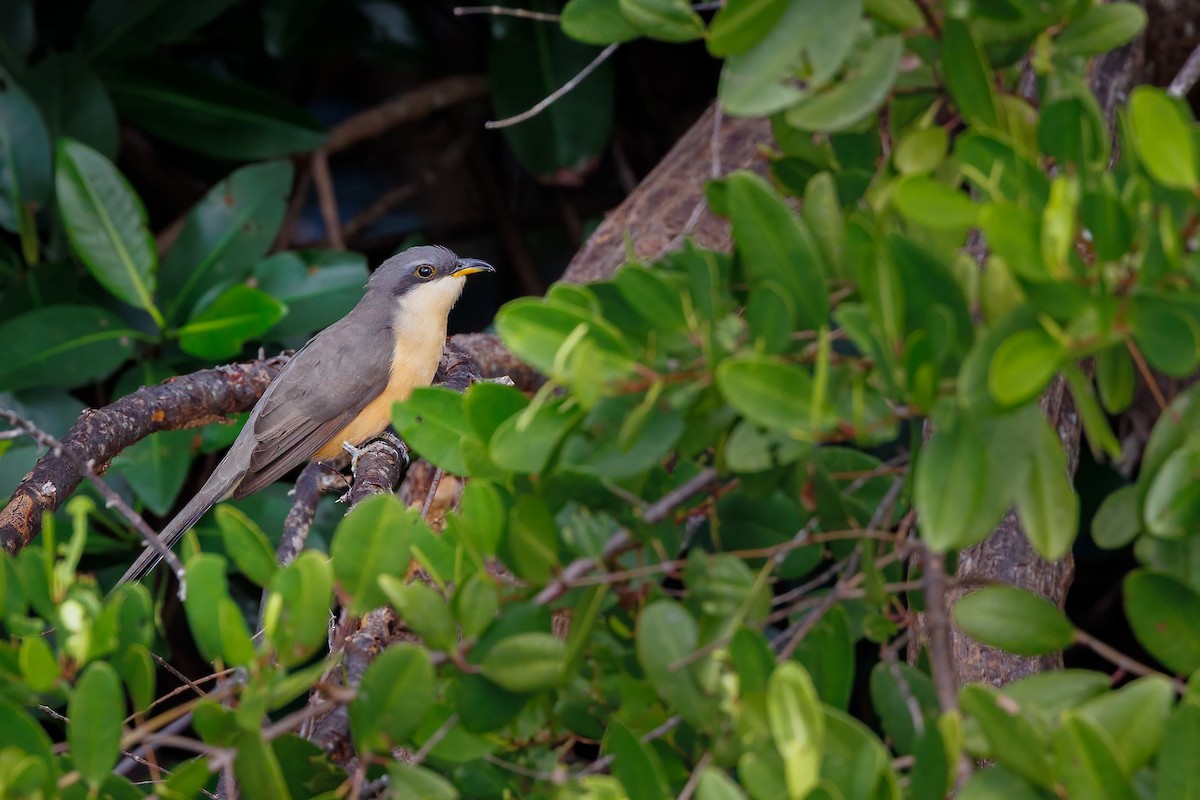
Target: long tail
213 492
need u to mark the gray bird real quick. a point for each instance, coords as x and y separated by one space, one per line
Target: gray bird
337 391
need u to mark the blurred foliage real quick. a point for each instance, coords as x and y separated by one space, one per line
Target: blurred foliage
718 655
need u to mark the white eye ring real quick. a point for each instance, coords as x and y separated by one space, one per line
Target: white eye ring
424 271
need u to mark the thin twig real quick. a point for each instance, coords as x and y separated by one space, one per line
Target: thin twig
553 96
502 11
111 498
693 781
1187 76
432 742
1085 639
327 199
1147 374
432 493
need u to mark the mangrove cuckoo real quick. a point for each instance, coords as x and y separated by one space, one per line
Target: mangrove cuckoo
337 391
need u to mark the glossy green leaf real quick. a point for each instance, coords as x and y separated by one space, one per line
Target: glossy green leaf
423 610
934 204
715 784
75 102
760 81
827 652
833 31
116 28
1014 741
1088 765
596 22
1013 619
257 769
296 618
96 711
536 331
1115 379
525 662
408 782
774 245
39 667
968 75
667 634
1023 365
432 422
216 116
207 588
1118 520
892 685
635 764
919 151
960 496
374 539
668 20
237 648
530 543
62 346
246 545
106 225
797 724
475 604
1164 138
396 693
768 391
222 328
25 164
1014 234
1171 507
1101 28
230 229
319 287
137 668
525 442
848 102
1165 616
1133 718
855 762
1178 775
741 24
560 143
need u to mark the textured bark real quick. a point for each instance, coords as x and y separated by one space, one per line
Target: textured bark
669 204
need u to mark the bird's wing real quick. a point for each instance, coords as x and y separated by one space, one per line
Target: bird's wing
320 391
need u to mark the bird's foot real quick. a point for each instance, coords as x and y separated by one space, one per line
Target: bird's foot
355 454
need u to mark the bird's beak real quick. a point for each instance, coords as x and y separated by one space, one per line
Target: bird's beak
469 266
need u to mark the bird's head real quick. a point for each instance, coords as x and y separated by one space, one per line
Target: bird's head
428 277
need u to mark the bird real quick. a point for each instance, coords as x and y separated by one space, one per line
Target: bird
337 391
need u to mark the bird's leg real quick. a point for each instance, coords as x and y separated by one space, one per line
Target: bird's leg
355 454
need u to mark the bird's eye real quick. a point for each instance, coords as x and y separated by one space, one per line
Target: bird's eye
425 271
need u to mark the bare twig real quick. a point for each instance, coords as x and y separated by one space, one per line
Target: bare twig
1187 76
503 11
1085 639
433 488
547 101
408 107
327 199
432 742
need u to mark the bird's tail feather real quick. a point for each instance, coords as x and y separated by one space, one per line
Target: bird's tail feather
181 524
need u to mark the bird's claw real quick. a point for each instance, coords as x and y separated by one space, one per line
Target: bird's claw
355 454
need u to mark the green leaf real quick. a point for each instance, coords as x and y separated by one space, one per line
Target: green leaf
432 422
62 346
1164 138
535 330
237 648
635 764
666 634
237 315
481 518
216 116
1014 741
296 619
1013 619
1165 616
39 667
768 391
257 769
1115 379
530 544
1099 433
1046 500
596 22
1014 233
157 467
136 665
1171 507
1133 718
558 144
667 20
525 442
968 75
1048 694
374 539
761 80
225 234
96 711
1117 521
1178 772
715 784
1165 333
773 245
25 164
423 610
919 151
75 102
797 724
247 545
525 662
827 652
114 28
396 694
931 203
408 782
892 685
851 100
1088 765
476 603
319 287
1101 28
106 225
207 589
741 24
960 496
